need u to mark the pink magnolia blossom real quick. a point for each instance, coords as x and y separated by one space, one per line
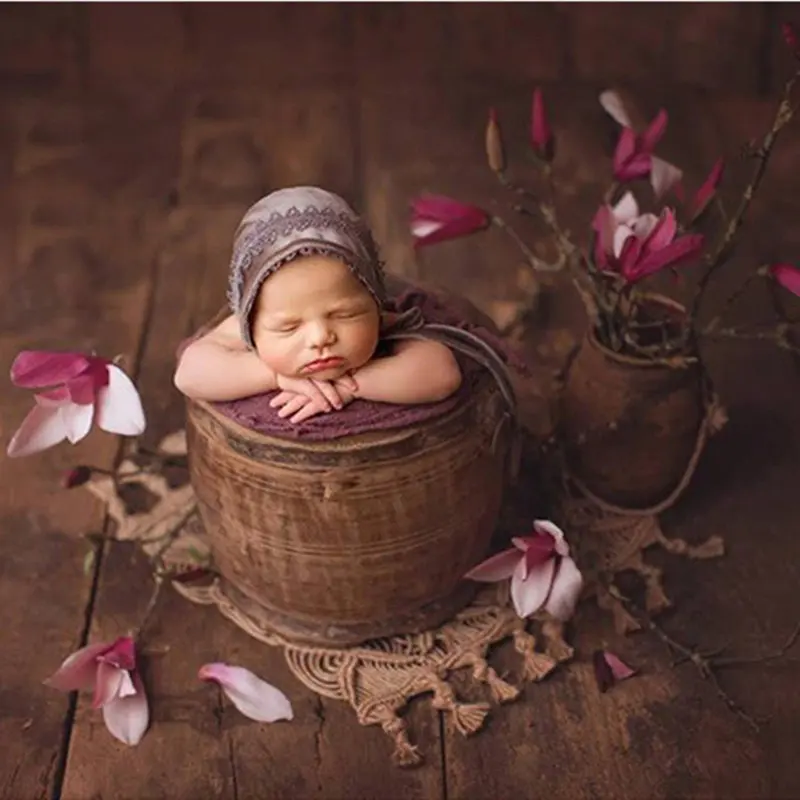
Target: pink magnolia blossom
82 389
636 245
436 218
543 576
634 155
787 276
541 135
109 670
252 696
707 190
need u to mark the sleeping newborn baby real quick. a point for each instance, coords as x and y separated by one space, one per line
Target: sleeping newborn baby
308 321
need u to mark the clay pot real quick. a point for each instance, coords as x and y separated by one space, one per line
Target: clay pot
631 426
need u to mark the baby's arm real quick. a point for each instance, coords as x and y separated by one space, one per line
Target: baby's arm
218 367
418 371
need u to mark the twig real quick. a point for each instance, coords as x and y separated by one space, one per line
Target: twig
537 263
705 664
151 604
734 296
714 259
778 335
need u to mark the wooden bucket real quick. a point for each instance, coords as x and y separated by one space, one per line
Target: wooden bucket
631 427
365 536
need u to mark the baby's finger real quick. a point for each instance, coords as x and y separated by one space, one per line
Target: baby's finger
305 413
349 382
281 399
293 406
329 392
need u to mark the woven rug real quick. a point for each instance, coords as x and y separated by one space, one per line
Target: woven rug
151 502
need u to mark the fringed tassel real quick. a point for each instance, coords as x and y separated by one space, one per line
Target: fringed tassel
502 692
713 547
467 717
556 646
535 665
405 754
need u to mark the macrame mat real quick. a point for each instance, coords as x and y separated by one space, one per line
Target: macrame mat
153 504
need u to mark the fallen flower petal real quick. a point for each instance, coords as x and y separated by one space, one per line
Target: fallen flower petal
119 407
609 669
78 670
495 568
565 590
33 369
128 715
43 427
787 276
619 669
252 696
530 588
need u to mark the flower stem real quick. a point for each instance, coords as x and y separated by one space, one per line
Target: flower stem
718 256
733 297
533 259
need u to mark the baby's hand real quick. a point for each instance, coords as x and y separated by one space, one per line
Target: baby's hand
303 398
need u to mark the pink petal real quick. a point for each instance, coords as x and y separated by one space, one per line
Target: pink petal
529 593
537 549
43 427
121 653
787 276
627 209
707 189
625 150
78 671
643 225
604 224
443 209
128 715
107 684
655 130
621 235
565 591
420 228
619 669
78 420
544 526
496 568
34 368
254 697
662 233
119 407
663 176
82 390
53 397
629 257
683 249
615 108
636 167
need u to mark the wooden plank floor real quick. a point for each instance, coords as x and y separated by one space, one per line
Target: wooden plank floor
126 160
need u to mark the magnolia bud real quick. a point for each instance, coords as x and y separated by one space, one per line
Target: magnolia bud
495 154
77 476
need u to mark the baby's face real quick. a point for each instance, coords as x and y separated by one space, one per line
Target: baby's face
314 319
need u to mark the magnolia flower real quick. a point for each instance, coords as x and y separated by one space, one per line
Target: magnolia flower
543 576
634 157
790 37
636 245
787 276
83 389
541 135
255 698
436 219
609 669
110 671
707 190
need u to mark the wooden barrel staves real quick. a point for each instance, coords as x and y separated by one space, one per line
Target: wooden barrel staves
341 541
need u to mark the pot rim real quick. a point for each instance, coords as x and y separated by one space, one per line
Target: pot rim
671 362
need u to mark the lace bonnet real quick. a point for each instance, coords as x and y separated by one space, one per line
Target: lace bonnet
292 222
